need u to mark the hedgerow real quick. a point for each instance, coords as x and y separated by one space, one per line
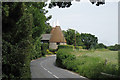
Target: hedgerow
69 47
44 48
63 57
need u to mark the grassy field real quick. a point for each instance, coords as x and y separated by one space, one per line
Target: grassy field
89 63
110 56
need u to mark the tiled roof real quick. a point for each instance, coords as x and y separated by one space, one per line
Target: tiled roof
46 36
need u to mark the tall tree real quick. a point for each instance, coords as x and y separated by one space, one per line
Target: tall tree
40 24
70 36
89 40
17 25
23 24
79 40
86 40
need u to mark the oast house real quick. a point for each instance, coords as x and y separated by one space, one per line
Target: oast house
55 38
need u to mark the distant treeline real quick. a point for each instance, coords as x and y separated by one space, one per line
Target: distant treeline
86 40
116 47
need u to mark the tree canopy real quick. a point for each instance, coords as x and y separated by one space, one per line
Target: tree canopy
67 3
89 40
22 25
84 39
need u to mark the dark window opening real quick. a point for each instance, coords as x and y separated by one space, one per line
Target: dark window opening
58 43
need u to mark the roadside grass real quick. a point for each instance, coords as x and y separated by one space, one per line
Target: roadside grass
89 63
110 56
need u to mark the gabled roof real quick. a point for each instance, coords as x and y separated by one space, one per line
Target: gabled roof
57 35
46 36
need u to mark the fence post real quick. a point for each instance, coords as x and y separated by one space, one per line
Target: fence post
105 61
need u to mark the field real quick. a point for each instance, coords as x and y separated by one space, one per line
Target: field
110 56
89 63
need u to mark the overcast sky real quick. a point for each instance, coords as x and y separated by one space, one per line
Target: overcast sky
101 21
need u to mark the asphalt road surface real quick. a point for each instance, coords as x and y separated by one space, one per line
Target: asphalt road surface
45 68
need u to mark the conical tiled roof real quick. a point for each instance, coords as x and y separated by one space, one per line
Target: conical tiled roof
57 35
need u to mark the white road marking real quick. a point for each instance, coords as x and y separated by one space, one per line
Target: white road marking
70 72
49 71
56 76
61 69
73 73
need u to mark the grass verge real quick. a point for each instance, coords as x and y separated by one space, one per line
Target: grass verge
88 63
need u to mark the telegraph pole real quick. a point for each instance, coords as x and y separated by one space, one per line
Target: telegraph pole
75 39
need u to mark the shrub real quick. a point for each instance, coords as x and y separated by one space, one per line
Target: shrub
65 46
36 50
16 61
44 48
63 57
69 47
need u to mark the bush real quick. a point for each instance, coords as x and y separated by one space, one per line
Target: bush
63 57
65 46
44 48
36 50
69 47
16 61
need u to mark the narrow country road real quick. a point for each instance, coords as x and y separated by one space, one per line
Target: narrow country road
45 68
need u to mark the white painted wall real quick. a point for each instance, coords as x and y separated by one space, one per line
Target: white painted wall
62 43
53 46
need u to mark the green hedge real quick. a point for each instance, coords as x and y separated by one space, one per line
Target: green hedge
36 50
44 48
16 61
65 46
69 46
62 57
